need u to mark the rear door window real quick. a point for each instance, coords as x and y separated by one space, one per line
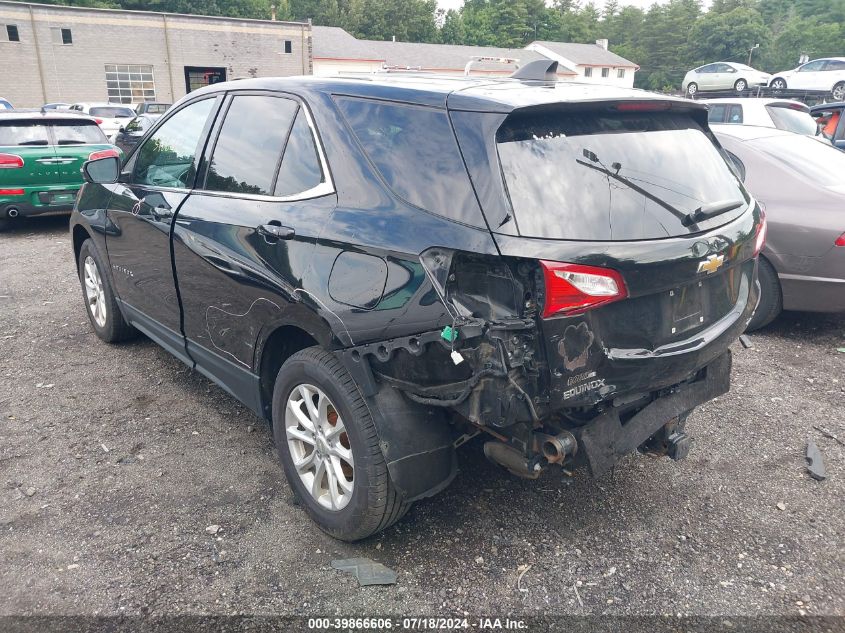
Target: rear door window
78 133
23 133
716 113
612 175
247 153
415 151
300 170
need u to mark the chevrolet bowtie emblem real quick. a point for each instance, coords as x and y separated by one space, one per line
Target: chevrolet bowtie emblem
711 264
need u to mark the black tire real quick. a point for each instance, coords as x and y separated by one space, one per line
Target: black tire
741 85
114 327
778 83
838 92
771 297
374 503
692 89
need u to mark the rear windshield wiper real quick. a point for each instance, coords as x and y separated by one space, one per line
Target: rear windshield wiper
711 210
33 143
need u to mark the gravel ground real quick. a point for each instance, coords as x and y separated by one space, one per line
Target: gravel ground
114 461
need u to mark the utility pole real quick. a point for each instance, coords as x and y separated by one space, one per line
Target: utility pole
751 51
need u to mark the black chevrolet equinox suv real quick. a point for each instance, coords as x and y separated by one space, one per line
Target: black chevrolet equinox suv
384 267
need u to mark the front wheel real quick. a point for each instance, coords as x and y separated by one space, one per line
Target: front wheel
100 302
692 89
838 92
771 297
329 448
778 84
740 85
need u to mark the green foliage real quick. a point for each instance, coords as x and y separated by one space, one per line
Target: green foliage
666 40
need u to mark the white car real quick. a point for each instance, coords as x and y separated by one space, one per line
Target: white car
783 114
723 76
824 75
110 116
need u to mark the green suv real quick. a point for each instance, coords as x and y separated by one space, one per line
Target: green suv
41 154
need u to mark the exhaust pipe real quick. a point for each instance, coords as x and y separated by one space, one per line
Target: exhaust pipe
557 448
12 212
512 459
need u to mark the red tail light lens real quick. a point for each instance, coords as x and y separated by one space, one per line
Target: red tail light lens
99 121
762 229
11 192
10 161
840 241
104 153
573 288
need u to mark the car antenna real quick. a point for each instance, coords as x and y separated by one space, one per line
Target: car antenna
538 70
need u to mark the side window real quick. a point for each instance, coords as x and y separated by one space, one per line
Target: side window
835 64
247 152
735 114
812 66
300 169
167 158
415 151
736 165
716 114
709 68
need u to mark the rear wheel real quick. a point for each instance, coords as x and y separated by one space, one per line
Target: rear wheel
100 302
692 89
778 83
740 85
838 91
771 298
329 448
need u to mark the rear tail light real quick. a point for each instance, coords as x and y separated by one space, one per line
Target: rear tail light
11 192
840 241
99 121
762 229
103 153
10 161
573 288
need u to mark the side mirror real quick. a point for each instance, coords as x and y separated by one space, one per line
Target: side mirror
103 171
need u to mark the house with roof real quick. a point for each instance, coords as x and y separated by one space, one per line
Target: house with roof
337 52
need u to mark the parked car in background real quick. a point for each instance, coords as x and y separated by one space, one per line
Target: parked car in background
41 154
800 183
150 107
823 75
317 247
5 104
723 76
56 106
782 114
830 117
109 117
127 137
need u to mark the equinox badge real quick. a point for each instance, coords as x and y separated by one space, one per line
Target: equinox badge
711 264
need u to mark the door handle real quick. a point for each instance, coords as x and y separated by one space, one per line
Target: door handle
276 231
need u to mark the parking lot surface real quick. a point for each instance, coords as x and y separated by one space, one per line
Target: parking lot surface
118 464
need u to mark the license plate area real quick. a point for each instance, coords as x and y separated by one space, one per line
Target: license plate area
687 308
57 197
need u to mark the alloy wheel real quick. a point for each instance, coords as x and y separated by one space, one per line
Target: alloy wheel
839 92
94 292
319 446
741 85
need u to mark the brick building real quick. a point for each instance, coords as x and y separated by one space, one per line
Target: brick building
52 53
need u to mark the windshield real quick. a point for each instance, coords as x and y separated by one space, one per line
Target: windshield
813 159
797 121
613 176
23 133
112 112
78 132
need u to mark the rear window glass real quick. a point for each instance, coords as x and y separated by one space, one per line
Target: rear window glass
78 132
156 108
23 133
112 113
612 176
415 151
798 121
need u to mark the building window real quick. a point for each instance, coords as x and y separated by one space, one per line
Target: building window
130 83
605 72
61 36
620 73
12 33
288 47
588 72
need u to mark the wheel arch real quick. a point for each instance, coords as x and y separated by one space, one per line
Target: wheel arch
78 235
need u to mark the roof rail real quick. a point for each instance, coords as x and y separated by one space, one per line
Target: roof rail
538 70
481 58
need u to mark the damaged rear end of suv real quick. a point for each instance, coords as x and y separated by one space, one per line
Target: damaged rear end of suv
624 268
